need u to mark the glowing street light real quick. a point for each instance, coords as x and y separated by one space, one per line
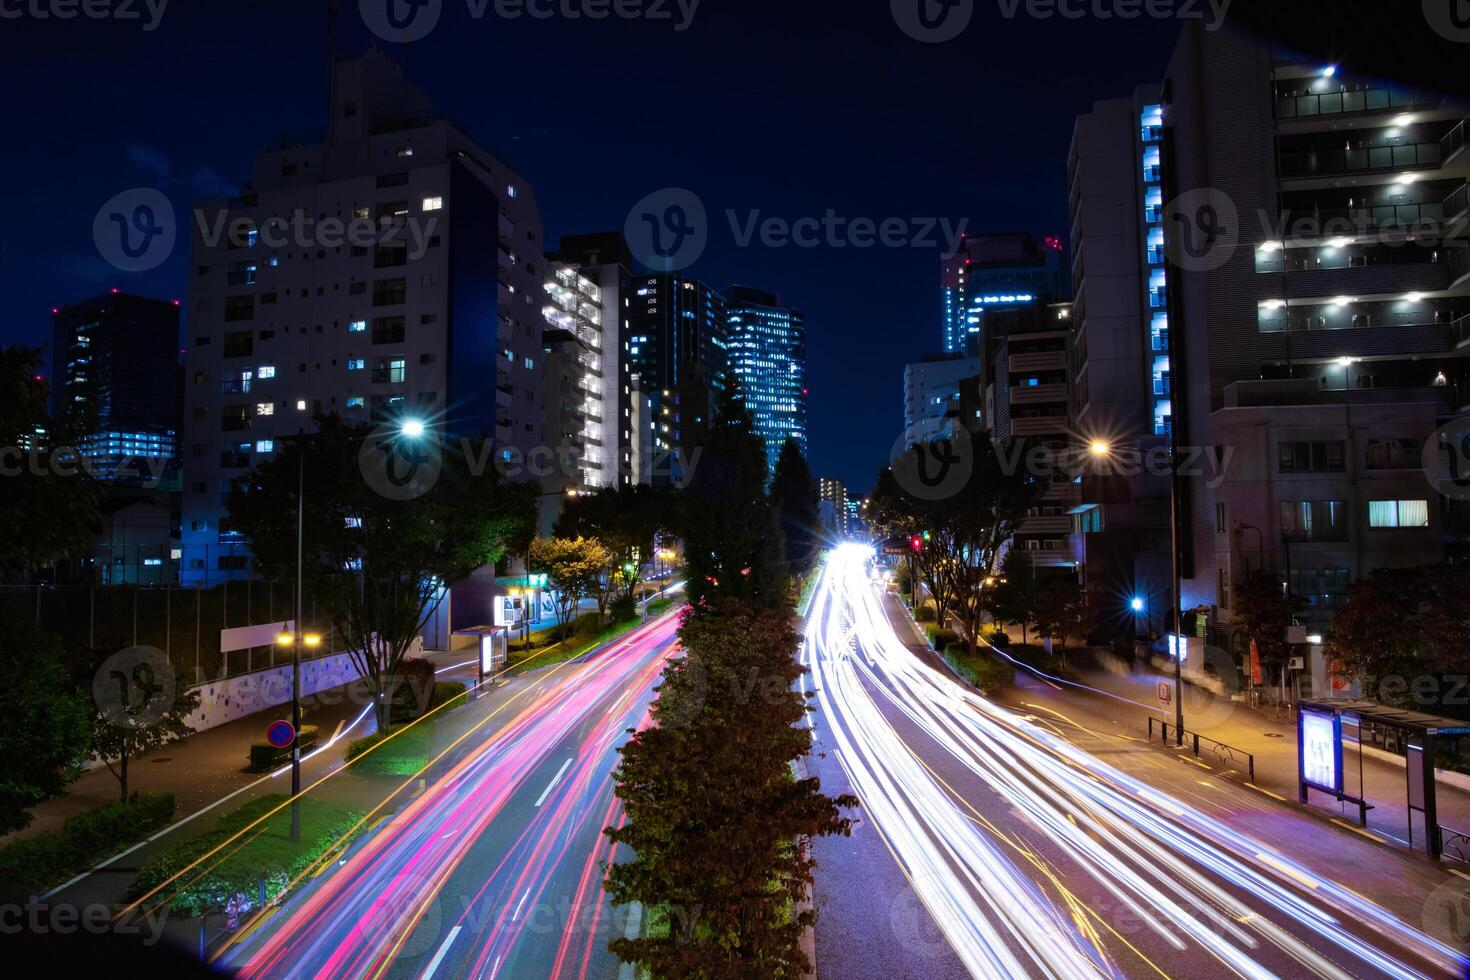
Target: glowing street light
1136 604
413 429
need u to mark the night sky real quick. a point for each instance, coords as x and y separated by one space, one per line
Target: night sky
786 108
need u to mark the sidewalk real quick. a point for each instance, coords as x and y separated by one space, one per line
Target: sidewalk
210 765
1132 698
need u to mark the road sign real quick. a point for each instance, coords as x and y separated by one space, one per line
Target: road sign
1166 693
281 734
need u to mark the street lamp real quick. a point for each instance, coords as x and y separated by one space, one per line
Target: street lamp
296 641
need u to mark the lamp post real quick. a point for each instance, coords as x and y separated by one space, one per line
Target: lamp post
1175 645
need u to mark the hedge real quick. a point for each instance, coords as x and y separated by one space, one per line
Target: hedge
924 614
34 864
940 637
982 670
265 853
264 755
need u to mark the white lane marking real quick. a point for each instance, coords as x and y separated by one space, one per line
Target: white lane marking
439 956
554 780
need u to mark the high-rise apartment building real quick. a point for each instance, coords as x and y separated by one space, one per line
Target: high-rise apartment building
992 271
1291 301
677 349
933 397
767 356
116 356
394 270
833 505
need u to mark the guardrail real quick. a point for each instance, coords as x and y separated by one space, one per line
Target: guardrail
1454 844
1221 751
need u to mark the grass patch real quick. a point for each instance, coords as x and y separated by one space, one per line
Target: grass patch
588 637
265 853
988 673
34 864
404 755
1048 663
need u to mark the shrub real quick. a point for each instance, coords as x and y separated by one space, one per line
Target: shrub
623 607
266 855
924 614
34 864
414 689
264 755
445 692
940 636
982 670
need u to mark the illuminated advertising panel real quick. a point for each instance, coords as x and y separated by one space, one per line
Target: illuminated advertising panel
1320 747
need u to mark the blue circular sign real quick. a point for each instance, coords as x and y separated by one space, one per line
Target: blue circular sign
281 734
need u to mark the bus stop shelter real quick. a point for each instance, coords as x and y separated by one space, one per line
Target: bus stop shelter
1319 732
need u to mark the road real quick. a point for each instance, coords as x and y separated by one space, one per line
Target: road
493 867
1022 854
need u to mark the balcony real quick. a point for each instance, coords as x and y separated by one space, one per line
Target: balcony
1051 360
1039 425
1039 394
1363 100
1321 162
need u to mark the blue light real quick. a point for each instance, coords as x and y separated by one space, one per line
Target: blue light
1136 605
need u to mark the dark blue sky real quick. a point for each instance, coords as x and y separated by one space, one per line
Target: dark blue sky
789 109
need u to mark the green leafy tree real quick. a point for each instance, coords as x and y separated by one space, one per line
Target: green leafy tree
378 566
718 825
151 710
574 567
1403 624
624 520
732 537
1018 591
48 507
1263 611
48 723
794 493
1064 610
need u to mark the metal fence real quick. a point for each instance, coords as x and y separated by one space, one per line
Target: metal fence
183 622
1224 753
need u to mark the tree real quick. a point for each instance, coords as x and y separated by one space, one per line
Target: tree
574 567
794 493
624 520
378 565
962 534
1018 592
731 533
1403 623
48 723
138 704
1263 612
718 827
1063 610
48 507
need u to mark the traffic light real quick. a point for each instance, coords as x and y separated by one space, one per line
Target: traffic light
917 543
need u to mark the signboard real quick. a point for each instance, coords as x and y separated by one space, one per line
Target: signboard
1416 777
1319 748
509 610
280 734
492 653
1166 693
